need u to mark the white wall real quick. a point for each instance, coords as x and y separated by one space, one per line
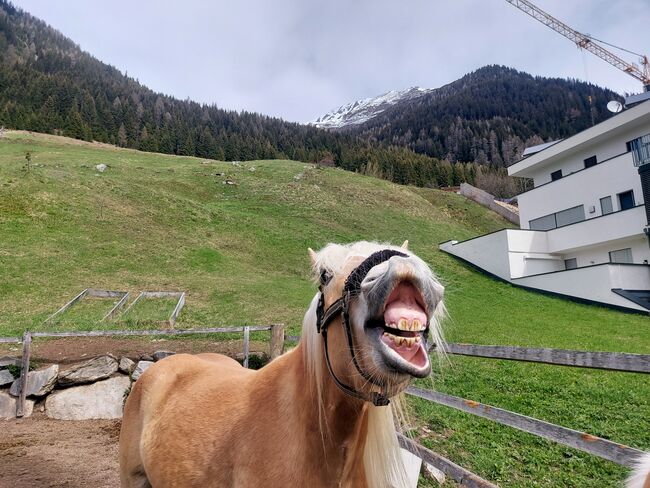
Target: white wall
600 254
594 283
584 188
573 161
488 252
591 232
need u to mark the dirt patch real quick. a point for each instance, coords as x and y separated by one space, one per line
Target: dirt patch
54 453
69 350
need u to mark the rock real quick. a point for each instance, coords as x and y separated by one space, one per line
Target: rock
8 406
146 357
39 382
434 473
6 377
158 355
126 365
101 167
9 361
140 368
101 400
94 369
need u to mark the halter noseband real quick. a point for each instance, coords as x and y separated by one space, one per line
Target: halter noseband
342 307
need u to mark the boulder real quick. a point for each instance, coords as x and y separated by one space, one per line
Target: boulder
8 406
6 377
101 400
146 357
158 355
89 371
140 368
126 366
39 382
9 361
101 167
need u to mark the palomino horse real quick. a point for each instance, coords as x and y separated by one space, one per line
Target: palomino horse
314 417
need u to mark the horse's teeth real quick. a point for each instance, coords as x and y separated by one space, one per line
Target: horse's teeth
417 338
403 324
409 341
416 325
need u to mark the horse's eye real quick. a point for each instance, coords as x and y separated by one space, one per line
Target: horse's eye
325 277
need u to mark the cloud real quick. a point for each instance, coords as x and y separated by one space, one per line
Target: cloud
298 59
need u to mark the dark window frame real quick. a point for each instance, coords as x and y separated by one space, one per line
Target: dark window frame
590 162
620 202
556 175
621 262
571 263
554 215
611 205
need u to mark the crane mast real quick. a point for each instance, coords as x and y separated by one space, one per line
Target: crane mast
587 43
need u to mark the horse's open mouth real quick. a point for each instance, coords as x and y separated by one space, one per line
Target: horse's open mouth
403 331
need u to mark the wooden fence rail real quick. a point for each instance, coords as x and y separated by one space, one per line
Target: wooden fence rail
458 473
597 446
276 344
616 361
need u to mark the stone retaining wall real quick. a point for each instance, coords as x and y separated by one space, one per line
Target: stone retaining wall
93 389
484 198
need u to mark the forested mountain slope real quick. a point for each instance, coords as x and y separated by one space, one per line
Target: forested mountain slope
489 115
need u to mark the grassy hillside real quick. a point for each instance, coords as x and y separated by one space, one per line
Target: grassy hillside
152 221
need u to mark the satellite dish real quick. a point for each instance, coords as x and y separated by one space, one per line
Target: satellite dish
615 106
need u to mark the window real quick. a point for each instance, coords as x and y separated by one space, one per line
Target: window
589 162
556 175
570 216
640 148
626 200
558 219
570 263
543 223
606 206
621 256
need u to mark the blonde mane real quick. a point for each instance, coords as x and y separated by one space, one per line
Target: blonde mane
382 458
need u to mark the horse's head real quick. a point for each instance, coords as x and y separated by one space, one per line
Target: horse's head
378 311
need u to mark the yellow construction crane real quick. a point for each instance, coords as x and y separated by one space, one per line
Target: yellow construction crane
588 43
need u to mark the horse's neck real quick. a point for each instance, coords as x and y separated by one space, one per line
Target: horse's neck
335 438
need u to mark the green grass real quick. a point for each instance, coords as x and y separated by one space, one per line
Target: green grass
157 222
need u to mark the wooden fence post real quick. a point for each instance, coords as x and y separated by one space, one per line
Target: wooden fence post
246 345
24 369
277 340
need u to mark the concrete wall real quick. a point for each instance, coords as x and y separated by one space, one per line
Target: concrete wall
585 188
487 200
488 252
594 283
509 255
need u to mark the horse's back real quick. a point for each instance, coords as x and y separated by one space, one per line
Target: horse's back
170 409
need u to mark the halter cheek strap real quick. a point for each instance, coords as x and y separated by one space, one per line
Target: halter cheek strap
342 307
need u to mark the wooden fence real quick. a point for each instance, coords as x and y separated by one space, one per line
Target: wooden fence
606 449
276 344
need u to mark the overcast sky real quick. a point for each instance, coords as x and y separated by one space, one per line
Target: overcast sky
298 59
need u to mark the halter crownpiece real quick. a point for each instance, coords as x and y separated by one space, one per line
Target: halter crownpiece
342 307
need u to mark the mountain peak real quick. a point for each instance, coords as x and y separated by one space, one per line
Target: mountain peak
360 111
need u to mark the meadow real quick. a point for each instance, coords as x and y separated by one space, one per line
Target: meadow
234 237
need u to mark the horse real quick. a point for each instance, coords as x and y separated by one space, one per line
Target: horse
319 415
640 477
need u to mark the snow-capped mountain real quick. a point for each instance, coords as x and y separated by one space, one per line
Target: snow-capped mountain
358 112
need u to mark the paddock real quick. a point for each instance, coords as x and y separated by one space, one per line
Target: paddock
38 451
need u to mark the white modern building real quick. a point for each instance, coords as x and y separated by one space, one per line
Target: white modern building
584 223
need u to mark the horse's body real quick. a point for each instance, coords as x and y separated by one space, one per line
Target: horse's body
204 421
216 424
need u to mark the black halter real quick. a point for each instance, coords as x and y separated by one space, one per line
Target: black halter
342 307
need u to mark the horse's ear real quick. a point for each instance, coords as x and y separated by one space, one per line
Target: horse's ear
405 245
312 255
